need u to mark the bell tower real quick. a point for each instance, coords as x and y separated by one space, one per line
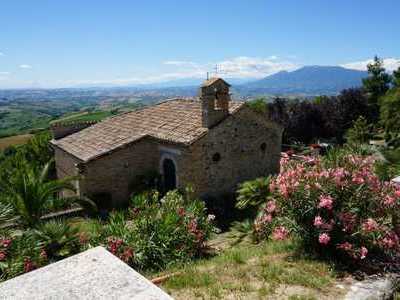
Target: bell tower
214 97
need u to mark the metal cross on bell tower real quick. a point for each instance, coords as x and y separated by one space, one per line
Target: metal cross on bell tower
216 71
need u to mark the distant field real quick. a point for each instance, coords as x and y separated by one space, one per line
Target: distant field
14 140
85 116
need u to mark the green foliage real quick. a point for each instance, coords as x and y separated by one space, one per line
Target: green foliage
259 105
157 232
390 116
360 133
20 253
6 215
376 84
337 206
38 149
24 251
86 116
58 239
30 193
396 78
253 193
388 168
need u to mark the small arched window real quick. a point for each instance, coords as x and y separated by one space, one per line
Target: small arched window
216 157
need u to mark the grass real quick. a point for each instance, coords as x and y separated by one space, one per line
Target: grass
270 269
14 140
85 116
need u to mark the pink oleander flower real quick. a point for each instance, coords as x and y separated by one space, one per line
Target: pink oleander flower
390 241
358 179
370 225
6 243
325 201
280 233
363 252
324 238
28 265
397 193
270 207
339 176
318 222
346 246
389 200
267 218
348 221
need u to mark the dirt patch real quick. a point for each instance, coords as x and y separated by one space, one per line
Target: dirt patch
14 140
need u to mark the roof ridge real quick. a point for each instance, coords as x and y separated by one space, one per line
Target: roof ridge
179 123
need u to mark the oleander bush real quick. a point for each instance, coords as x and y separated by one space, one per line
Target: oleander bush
24 251
155 232
337 206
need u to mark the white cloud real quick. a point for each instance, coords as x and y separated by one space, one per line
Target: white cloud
238 67
180 63
390 64
4 73
254 67
2 54
24 66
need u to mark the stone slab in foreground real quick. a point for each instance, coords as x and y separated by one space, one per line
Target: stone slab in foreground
374 288
93 274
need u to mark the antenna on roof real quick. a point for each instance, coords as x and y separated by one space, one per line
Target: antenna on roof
216 70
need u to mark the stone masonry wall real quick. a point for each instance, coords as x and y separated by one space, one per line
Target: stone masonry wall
114 173
243 147
66 167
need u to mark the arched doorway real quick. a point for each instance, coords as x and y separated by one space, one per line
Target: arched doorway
169 174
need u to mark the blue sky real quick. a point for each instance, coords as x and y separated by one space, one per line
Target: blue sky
47 43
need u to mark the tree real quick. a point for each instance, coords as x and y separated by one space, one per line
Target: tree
360 133
396 78
376 85
350 105
390 116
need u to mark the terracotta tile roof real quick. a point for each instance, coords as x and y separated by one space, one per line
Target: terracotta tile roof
213 80
177 121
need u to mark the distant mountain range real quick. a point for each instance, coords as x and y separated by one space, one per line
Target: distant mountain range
310 80
306 81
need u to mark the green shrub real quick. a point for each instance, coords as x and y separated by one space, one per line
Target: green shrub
360 133
253 193
157 232
339 208
58 239
258 105
24 251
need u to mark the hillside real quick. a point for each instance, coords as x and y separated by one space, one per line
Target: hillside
310 80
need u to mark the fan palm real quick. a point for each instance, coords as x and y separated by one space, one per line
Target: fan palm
29 192
57 237
253 193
